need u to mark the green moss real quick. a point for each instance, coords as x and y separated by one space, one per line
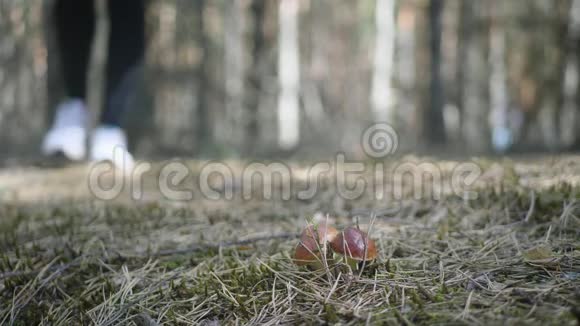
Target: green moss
76 262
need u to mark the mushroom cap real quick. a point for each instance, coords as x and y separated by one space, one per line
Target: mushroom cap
321 232
306 252
353 243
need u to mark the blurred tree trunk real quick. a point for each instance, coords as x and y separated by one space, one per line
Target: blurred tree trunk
449 66
501 134
173 60
405 68
576 24
463 34
234 74
434 119
571 114
422 83
254 75
537 70
22 77
201 119
288 75
98 61
552 77
474 77
577 129
382 94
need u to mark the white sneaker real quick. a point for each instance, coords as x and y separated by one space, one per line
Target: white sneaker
68 132
109 143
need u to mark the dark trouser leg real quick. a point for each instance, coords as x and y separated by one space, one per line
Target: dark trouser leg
126 49
75 26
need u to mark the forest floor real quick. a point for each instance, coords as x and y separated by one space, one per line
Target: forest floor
509 256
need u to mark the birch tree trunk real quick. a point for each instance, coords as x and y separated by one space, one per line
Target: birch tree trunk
288 76
382 95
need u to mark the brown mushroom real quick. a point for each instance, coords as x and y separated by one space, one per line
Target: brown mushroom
307 252
313 245
355 246
321 232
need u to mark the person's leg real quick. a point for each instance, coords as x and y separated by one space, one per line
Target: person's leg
74 23
75 26
126 49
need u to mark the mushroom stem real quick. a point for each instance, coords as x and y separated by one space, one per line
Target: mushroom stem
352 263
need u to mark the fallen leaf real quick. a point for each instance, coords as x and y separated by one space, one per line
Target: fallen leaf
541 255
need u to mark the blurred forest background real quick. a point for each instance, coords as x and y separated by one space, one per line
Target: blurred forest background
254 77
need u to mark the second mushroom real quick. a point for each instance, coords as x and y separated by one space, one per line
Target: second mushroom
355 247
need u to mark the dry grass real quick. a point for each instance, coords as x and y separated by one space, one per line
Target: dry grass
510 257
